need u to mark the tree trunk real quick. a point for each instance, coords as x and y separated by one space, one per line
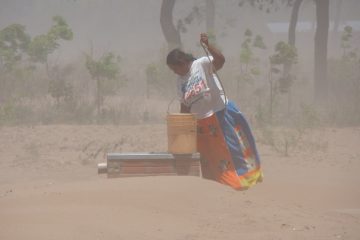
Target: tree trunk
210 16
293 22
171 35
291 41
337 17
335 36
292 32
320 52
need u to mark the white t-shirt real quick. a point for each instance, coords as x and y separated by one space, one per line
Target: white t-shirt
200 89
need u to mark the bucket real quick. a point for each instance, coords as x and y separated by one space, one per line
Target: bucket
181 131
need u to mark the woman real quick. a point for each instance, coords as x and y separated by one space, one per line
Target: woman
224 140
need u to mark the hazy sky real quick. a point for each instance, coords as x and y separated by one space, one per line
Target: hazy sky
132 29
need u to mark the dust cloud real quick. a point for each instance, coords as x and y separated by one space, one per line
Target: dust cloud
131 30
93 80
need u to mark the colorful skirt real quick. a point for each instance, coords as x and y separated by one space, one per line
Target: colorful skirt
228 150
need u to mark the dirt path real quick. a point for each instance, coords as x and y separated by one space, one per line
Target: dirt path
49 189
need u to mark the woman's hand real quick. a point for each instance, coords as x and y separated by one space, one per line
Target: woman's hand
204 39
219 59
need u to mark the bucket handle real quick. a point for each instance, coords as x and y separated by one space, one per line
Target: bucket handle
168 108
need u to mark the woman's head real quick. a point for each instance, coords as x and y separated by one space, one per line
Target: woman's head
179 61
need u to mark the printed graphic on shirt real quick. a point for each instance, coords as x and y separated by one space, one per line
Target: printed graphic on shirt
194 89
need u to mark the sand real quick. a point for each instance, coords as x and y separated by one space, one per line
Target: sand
50 189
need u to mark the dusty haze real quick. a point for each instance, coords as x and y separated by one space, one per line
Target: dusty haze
54 132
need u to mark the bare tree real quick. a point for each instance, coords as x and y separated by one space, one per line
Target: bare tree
334 41
292 34
274 5
320 52
293 22
169 30
320 41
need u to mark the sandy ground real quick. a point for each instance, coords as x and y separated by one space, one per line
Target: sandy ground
49 189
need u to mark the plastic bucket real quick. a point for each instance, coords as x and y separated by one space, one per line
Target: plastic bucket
181 131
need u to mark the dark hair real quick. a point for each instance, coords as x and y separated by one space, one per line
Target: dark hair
177 57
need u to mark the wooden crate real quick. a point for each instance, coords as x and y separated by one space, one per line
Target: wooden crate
150 164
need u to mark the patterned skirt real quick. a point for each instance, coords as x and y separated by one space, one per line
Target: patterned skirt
228 150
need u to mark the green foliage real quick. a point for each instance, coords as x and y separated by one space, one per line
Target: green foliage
259 42
13 41
14 37
60 30
246 55
40 47
248 33
43 45
284 53
248 60
248 46
59 87
20 83
349 54
255 71
346 37
105 72
107 67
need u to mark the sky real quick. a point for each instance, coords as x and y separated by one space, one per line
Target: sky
132 28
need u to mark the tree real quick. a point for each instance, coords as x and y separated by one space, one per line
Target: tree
105 71
168 28
292 37
45 44
293 22
19 55
320 41
248 60
172 32
274 5
337 16
346 37
13 42
59 87
252 48
285 55
320 52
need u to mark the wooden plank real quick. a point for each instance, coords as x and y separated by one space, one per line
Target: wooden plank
147 170
152 164
148 163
